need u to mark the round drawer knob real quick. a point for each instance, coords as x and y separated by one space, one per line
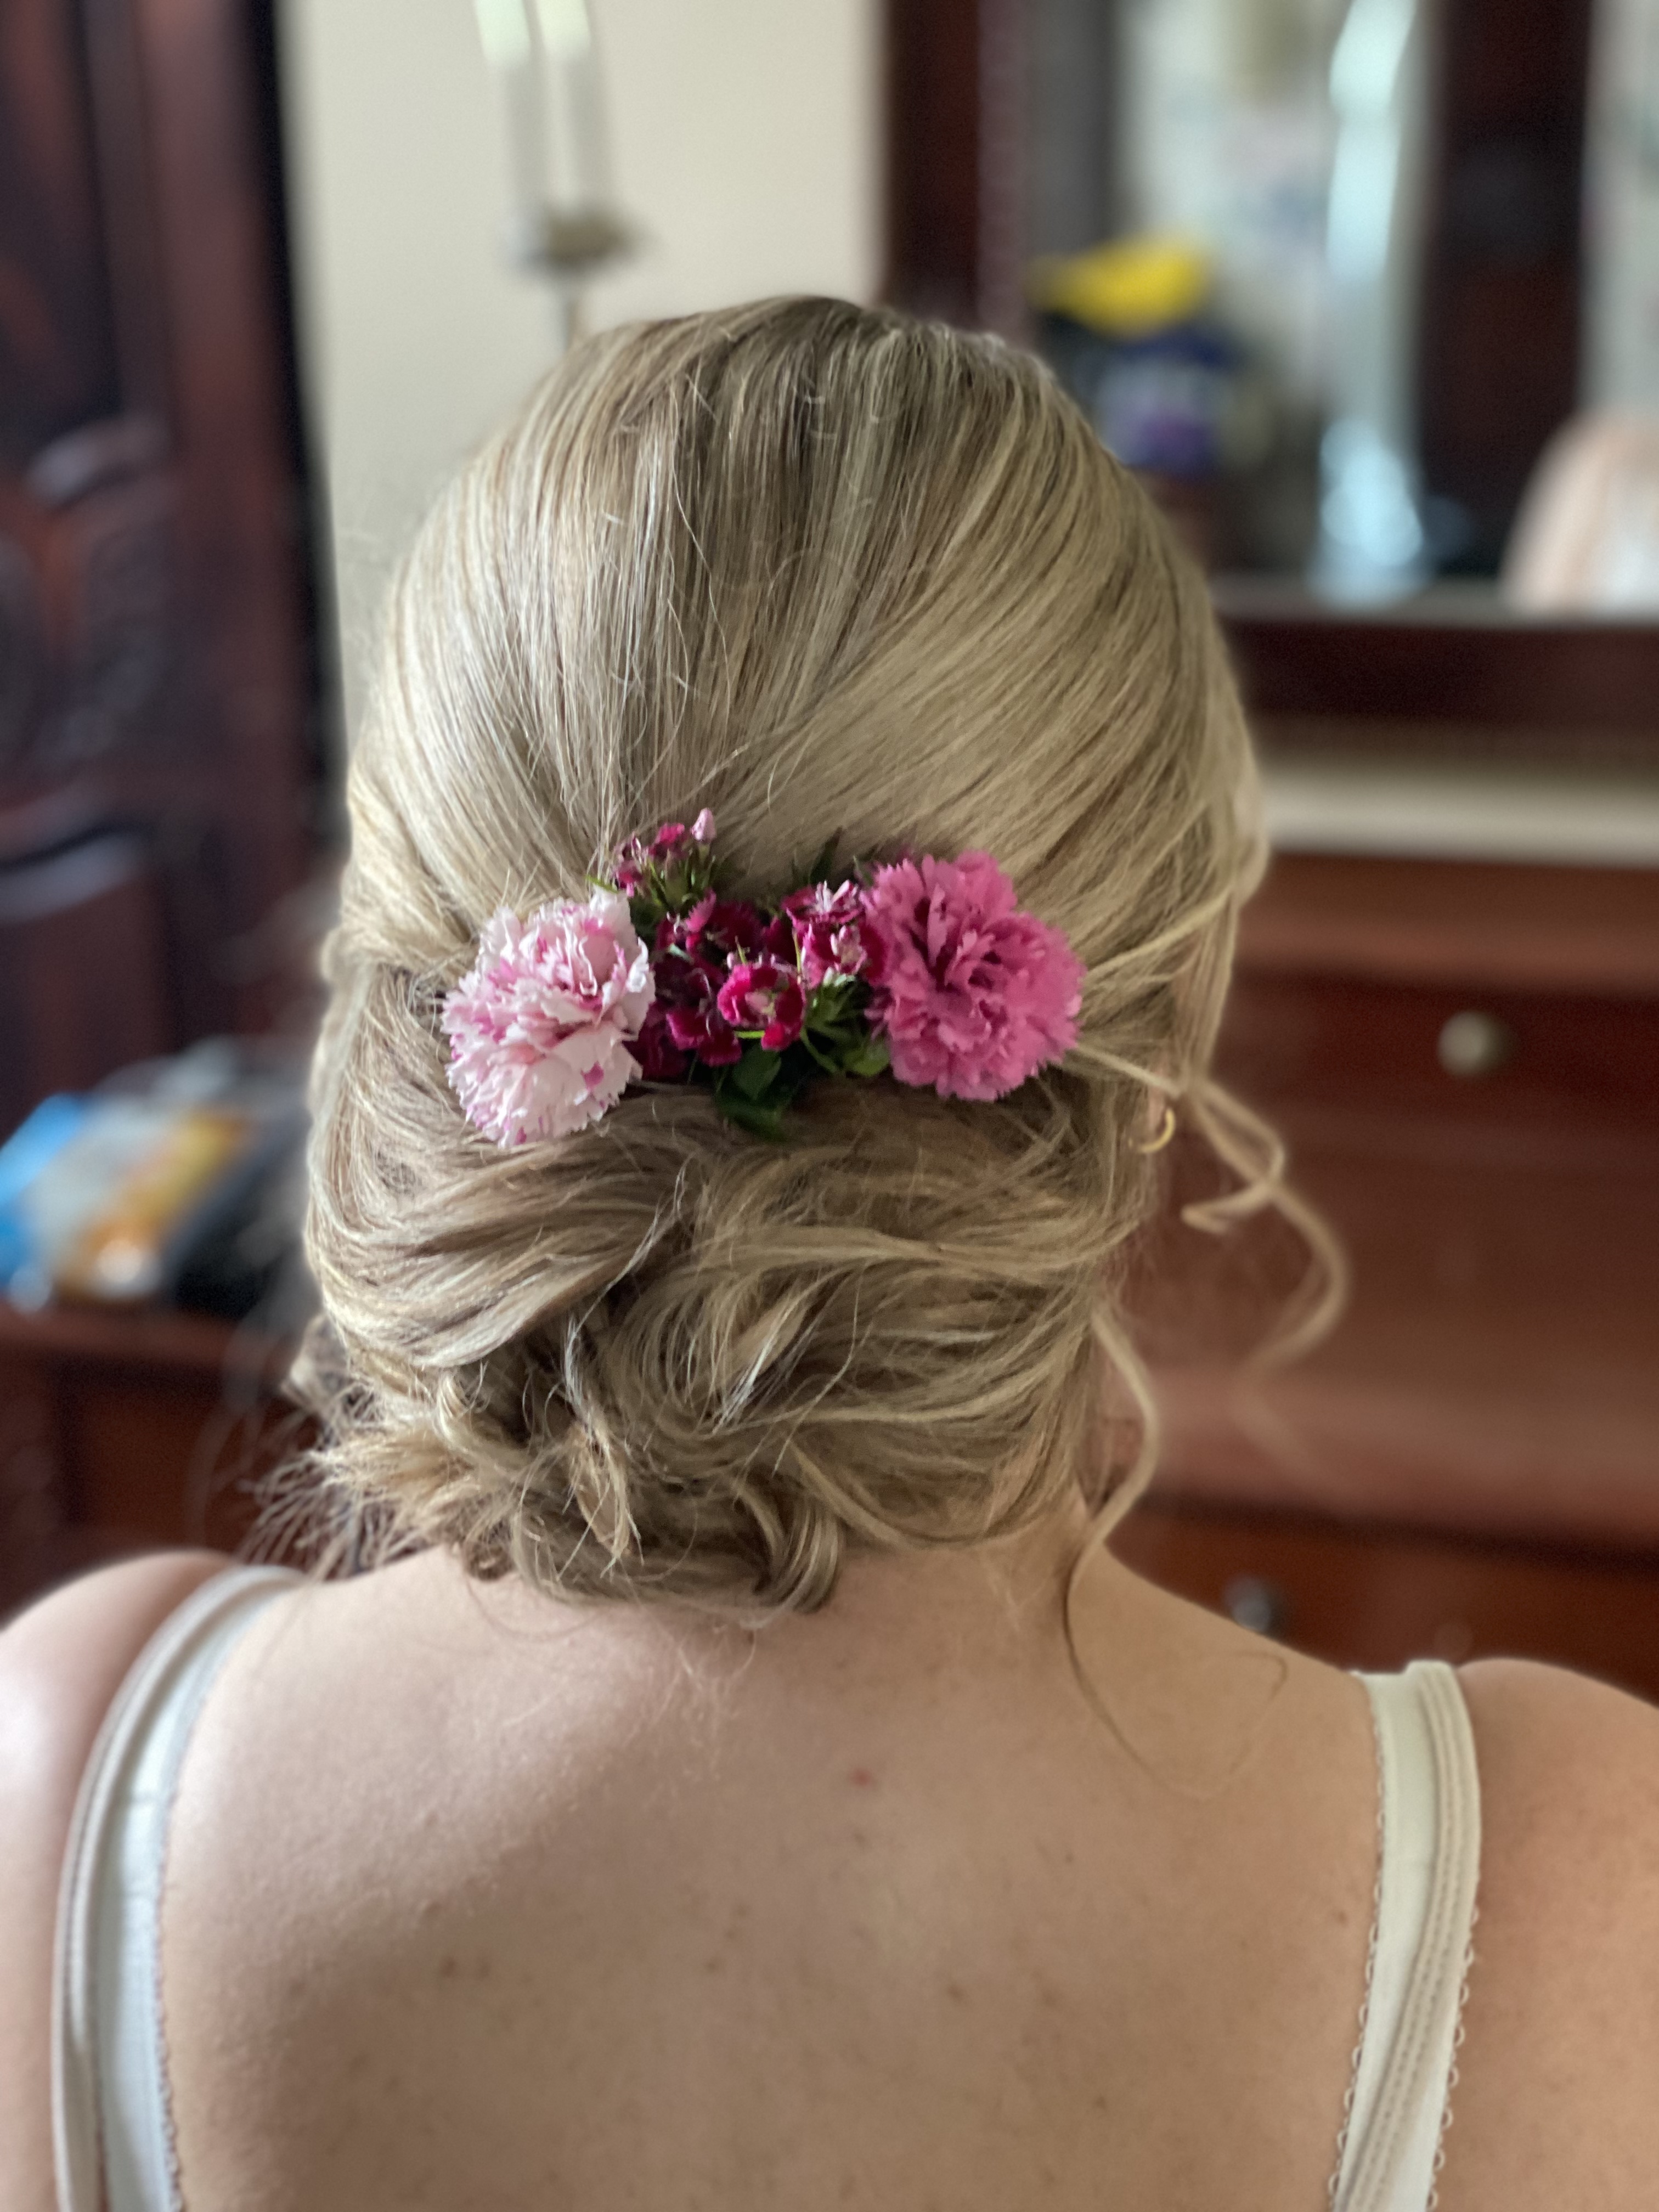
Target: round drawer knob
1473 1044
1256 1604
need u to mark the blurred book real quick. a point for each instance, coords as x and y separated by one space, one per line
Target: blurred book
177 1181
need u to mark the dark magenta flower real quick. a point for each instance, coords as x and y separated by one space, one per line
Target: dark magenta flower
696 1023
688 969
718 931
764 995
660 1059
671 847
833 939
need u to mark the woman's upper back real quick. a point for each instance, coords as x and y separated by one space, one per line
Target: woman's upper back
510 1904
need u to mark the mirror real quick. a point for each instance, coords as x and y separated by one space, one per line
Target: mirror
1365 286
1392 300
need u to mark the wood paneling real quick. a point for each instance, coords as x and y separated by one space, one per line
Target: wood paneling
155 667
1488 682
1497 1368
1501 274
58 356
1474 925
83 969
1376 1597
933 167
122 1432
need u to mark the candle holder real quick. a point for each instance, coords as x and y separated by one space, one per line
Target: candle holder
562 224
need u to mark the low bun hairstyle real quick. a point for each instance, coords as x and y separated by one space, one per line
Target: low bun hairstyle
824 570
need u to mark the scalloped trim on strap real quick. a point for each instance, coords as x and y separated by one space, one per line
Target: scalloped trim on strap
111 2121
1429 1803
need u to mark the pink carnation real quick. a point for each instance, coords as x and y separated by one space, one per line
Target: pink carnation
976 996
538 1027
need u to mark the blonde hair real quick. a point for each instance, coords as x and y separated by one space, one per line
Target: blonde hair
824 570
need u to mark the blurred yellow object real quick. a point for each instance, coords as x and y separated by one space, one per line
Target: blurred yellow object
117 1255
1127 289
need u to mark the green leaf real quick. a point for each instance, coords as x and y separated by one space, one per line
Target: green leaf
756 1073
760 1119
827 1055
869 1057
832 1000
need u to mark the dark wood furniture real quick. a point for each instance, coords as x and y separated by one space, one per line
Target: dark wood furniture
1502 277
158 768
1465 1060
119 1433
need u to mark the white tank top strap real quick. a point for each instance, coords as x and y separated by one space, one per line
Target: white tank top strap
1429 1807
111 2134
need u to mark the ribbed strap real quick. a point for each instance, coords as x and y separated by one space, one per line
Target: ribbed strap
1430 1863
111 2134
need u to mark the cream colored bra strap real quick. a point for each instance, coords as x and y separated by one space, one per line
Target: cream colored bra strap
1431 1863
112 2137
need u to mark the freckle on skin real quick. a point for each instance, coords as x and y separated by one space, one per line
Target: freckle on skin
956 1994
447 1968
861 1777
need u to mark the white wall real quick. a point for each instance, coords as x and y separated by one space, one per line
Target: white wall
744 135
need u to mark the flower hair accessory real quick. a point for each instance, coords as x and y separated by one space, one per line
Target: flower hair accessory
927 968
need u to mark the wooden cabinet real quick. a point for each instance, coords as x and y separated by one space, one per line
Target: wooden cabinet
1374 1596
120 1433
158 777
1465 1062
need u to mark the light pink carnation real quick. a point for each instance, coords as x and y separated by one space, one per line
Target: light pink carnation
538 1027
974 995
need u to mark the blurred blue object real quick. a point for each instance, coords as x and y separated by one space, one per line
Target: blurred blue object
24 1153
1161 402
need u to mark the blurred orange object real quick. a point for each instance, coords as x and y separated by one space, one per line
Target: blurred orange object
117 1255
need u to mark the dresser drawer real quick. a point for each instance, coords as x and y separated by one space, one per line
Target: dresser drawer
1376 1597
1319 1044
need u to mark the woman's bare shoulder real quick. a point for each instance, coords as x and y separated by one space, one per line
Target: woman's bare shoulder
1570 1800
1555 2102
1569 1769
61 1662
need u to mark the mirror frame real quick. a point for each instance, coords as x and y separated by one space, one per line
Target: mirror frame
1447 680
